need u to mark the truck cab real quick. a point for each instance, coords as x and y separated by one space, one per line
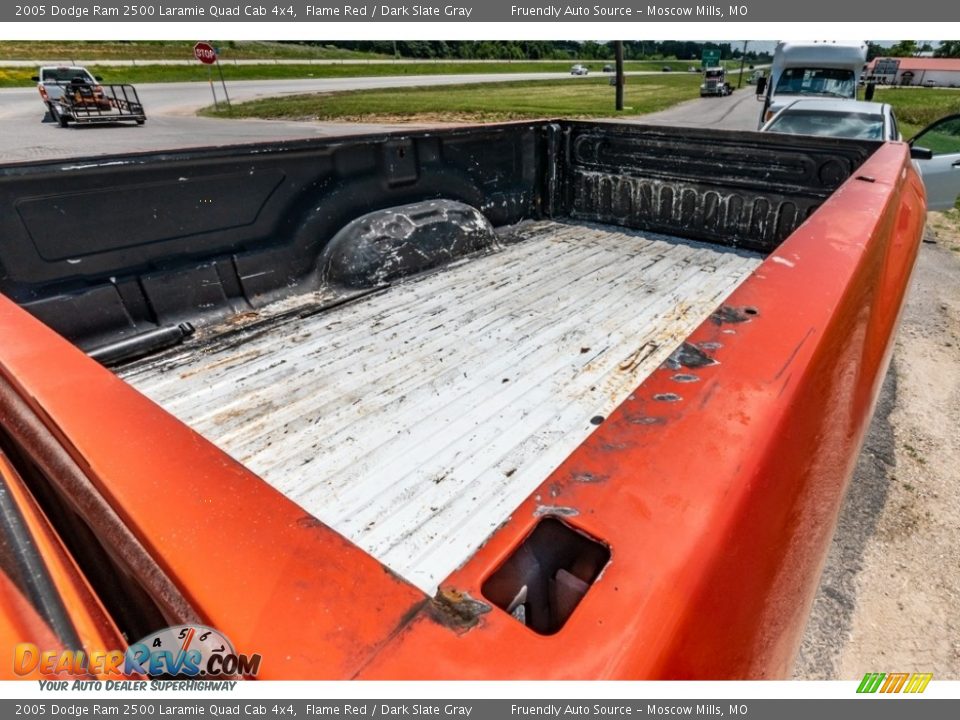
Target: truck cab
53 81
714 82
810 70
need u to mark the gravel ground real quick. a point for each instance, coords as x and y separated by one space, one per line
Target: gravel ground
889 598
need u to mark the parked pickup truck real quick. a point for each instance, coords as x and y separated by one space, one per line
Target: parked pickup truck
72 94
534 400
52 79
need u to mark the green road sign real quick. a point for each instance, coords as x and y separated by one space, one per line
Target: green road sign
710 58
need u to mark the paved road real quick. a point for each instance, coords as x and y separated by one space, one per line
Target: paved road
739 111
26 134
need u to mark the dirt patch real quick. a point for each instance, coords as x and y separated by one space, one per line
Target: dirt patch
439 119
889 597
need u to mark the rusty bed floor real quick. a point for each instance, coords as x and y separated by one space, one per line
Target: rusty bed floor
415 420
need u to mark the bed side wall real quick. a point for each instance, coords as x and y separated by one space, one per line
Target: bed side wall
742 189
107 248
112 248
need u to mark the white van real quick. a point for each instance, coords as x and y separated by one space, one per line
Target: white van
812 69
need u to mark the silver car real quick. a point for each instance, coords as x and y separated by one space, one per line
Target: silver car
839 118
935 149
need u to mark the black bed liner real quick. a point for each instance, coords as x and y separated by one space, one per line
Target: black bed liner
111 247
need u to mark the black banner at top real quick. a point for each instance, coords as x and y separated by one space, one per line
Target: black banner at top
389 11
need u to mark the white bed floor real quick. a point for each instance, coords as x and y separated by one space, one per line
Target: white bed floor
416 420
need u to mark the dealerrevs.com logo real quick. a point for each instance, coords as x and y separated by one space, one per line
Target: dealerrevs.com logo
180 651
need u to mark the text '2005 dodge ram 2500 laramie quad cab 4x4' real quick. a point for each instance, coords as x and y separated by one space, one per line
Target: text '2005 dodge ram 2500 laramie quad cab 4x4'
533 400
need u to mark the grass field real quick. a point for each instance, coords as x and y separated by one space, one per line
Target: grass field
917 107
583 97
57 50
20 77
580 97
90 51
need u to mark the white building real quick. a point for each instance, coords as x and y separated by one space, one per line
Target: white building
931 72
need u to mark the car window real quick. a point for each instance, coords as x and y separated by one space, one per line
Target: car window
65 75
942 138
848 125
817 81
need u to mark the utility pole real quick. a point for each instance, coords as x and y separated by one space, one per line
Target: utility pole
618 50
222 81
743 59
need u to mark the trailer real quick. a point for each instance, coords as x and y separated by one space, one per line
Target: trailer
83 103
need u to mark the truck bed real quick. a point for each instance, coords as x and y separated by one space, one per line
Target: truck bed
402 334
415 419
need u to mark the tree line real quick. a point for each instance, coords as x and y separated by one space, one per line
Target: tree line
543 49
911 48
590 50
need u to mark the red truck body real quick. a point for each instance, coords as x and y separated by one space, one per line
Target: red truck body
717 498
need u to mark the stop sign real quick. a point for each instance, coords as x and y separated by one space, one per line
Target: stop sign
205 53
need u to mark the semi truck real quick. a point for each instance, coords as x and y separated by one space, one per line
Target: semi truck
810 70
714 83
547 399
